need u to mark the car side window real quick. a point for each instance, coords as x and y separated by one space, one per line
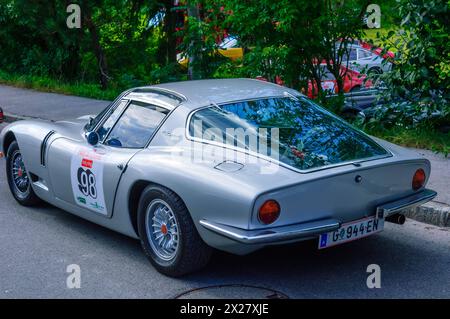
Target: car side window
352 55
136 125
112 118
325 74
362 54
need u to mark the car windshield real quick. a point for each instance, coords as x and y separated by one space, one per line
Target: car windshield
307 136
95 120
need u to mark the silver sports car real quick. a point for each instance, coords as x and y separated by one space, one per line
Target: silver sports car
234 164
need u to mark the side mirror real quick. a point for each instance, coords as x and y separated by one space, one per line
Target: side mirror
92 138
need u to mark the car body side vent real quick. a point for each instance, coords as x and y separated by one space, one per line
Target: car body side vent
44 147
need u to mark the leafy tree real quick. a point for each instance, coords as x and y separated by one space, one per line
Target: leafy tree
34 39
203 29
417 89
120 40
287 39
114 47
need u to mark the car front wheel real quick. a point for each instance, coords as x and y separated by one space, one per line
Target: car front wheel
18 179
168 235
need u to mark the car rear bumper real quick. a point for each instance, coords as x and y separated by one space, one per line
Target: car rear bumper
311 229
414 200
275 234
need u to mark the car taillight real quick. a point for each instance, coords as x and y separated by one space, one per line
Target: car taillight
418 179
1 115
269 211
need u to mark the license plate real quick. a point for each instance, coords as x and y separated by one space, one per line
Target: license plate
351 231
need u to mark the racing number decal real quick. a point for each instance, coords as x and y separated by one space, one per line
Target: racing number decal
87 180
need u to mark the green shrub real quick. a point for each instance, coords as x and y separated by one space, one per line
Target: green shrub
417 89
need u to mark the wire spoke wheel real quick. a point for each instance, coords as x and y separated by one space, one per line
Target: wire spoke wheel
19 174
162 229
168 234
19 182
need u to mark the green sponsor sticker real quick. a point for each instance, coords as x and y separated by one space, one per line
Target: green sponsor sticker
81 200
97 206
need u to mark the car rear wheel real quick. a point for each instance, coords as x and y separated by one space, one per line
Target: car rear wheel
18 180
168 234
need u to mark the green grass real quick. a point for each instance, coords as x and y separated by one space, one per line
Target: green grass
425 138
47 84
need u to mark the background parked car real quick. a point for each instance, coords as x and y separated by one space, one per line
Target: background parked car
365 60
353 81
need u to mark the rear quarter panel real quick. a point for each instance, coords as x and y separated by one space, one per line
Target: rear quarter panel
334 193
206 191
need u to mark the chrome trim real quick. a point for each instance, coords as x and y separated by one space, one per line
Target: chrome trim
125 93
414 200
150 101
275 234
161 91
112 105
41 185
110 112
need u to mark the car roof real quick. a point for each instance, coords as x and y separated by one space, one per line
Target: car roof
199 93
358 46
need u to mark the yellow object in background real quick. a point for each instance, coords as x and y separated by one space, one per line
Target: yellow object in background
231 53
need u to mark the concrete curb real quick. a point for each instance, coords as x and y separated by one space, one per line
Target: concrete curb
433 213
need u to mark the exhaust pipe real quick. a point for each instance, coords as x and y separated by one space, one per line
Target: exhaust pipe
396 219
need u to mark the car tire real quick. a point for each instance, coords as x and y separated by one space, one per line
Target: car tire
18 178
186 252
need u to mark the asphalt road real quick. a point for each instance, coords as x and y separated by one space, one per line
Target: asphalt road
37 245
48 106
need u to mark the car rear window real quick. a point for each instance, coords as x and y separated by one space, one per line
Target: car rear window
298 132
